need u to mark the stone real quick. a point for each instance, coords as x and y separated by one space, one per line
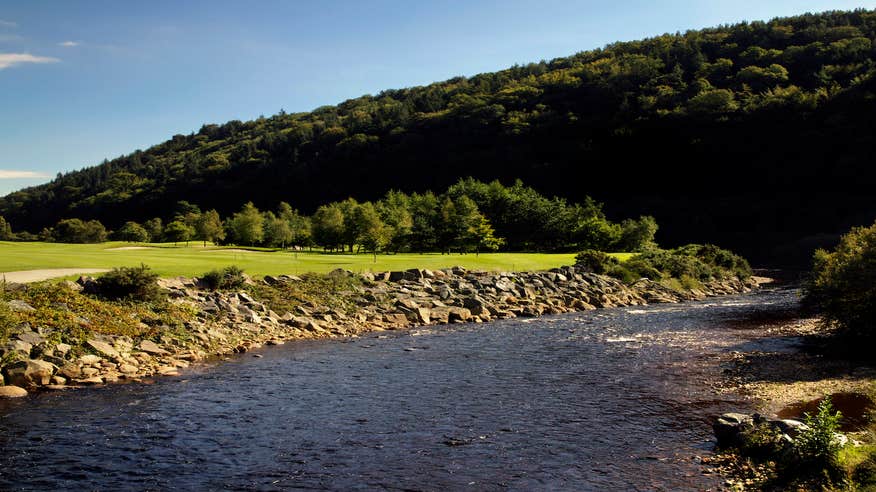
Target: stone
30 337
59 380
70 371
70 285
458 314
424 315
28 373
89 359
62 349
11 391
18 346
20 306
151 347
89 381
127 368
728 427
104 348
90 371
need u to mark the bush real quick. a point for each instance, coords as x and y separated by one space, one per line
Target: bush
134 283
230 277
595 261
843 282
7 321
818 443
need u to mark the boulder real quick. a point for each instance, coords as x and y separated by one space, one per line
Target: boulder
103 348
151 347
12 392
20 306
30 337
28 373
729 426
89 359
70 285
458 314
70 371
18 346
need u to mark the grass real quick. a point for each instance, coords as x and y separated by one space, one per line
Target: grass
169 260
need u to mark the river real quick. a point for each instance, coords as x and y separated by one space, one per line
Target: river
617 399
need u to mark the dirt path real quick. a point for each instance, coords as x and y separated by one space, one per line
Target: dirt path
26 276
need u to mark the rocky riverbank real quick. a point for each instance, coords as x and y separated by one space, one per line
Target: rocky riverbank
223 323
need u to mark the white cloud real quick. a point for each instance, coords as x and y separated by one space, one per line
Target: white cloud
69 44
4 174
9 59
8 24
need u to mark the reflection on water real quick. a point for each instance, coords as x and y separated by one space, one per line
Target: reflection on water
615 399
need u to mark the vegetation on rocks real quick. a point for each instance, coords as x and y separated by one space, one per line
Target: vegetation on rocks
681 268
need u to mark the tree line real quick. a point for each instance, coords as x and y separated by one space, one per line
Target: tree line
470 216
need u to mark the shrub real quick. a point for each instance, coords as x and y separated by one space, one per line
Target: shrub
818 444
230 277
595 261
134 283
843 282
7 321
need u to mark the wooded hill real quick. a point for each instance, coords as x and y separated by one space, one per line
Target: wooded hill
756 136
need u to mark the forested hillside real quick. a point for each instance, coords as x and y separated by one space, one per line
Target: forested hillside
755 136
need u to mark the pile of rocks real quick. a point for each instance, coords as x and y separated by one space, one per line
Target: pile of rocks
234 322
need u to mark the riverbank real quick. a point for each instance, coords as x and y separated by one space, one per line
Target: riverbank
64 339
798 363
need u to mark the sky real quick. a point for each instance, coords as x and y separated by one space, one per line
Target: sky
88 80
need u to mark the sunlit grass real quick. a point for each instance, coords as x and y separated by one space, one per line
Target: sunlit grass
169 260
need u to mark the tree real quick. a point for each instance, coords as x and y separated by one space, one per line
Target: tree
371 233
424 221
299 225
132 232
247 226
637 235
209 227
482 235
843 282
328 226
276 231
77 231
155 228
178 231
348 209
394 211
5 230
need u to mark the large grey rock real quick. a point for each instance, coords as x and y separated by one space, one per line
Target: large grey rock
103 348
28 373
18 346
151 347
20 306
729 426
30 337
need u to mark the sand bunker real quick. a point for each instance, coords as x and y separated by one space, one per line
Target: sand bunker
128 248
26 276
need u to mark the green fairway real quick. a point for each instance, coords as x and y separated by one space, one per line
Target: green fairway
170 261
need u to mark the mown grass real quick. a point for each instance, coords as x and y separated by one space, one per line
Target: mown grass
169 261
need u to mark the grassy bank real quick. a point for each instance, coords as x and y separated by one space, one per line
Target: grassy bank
169 260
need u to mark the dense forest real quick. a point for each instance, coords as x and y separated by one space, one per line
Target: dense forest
757 136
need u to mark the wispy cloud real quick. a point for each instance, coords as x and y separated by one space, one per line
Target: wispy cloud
6 174
69 44
4 23
11 59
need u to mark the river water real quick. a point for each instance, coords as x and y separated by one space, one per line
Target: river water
616 399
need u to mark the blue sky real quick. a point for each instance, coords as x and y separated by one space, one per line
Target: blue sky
88 80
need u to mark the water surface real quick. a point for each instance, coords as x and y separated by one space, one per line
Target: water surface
608 399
